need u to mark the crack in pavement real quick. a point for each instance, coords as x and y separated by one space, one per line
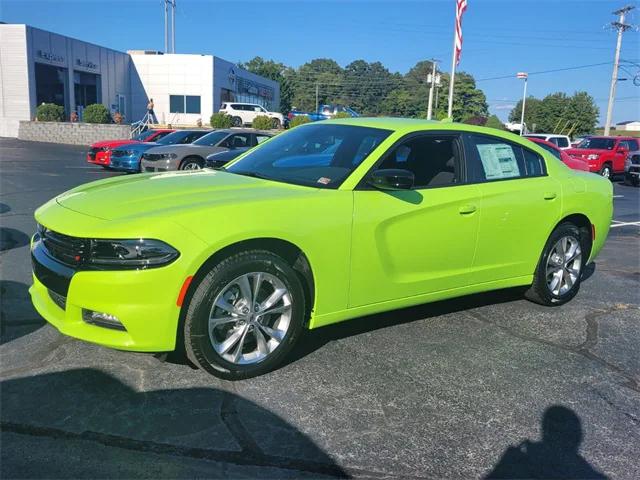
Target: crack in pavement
582 349
243 458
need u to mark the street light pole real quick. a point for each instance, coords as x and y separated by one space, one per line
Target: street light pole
525 76
166 26
433 84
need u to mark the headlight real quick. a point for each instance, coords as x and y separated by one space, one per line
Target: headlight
169 155
105 149
129 153
140 253
593 156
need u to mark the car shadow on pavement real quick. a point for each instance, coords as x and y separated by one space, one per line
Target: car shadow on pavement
89 407
555 456
4 208
18 317
11 238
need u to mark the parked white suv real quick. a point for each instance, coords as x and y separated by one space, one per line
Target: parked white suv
245 113
561 141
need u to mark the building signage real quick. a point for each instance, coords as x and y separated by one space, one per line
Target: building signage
232 77
86 64
52 57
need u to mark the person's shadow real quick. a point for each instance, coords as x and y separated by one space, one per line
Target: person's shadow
556 456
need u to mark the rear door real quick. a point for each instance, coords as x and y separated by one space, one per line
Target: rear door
520 206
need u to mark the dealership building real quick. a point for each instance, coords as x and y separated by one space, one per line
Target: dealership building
37 66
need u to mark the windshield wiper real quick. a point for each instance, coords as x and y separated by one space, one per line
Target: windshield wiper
252 174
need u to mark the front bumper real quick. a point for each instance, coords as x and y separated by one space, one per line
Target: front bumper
129 163
99 158
144 302
157 165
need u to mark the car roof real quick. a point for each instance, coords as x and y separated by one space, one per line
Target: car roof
542 141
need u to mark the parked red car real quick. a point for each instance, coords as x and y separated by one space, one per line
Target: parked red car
605 155
560 154
100 152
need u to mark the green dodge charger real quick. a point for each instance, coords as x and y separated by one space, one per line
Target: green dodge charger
326 222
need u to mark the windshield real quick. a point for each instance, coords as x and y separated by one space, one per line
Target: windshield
211 139
316 155
598 143
144 135
172 138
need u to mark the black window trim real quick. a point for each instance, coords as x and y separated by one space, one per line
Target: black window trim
466 138
461 160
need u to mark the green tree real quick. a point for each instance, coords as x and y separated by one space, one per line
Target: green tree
364 86
322 71
468 101
582 113
532 113
278 72
494 122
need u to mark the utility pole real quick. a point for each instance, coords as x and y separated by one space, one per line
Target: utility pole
317 92
173 26
621 27
166 26
432 79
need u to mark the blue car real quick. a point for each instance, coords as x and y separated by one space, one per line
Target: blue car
126 158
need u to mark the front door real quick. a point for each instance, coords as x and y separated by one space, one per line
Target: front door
411 242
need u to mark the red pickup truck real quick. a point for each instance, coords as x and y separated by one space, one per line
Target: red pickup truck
605 155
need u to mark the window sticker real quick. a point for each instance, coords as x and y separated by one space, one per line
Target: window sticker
324 180
498 160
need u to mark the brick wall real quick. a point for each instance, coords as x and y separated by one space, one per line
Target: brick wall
71 133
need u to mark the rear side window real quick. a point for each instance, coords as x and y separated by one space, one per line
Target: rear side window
562 142
491 158
235 106
223 106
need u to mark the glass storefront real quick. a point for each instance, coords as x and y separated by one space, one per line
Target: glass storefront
51 85
86 89
249 91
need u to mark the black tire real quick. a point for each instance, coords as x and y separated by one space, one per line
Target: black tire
606 171
198 346
237 121
188 162
539 291
276 123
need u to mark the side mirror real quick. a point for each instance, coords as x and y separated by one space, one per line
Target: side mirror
392 179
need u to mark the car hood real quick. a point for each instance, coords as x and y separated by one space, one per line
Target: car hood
112 143
167 193
586 151
138 146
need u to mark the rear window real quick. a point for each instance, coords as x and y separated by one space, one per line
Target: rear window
562 142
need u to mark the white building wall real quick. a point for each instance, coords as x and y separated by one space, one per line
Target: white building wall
14 79
174 74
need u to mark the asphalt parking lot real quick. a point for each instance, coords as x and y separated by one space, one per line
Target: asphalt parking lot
462 388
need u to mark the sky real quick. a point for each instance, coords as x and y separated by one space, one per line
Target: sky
501 37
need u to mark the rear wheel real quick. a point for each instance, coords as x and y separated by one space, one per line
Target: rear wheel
191 163
276 123
245 315
605 171
237 121
558 274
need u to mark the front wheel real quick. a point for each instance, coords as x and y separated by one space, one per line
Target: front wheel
558 274
237 121
245 316
605 171
275 123
191 164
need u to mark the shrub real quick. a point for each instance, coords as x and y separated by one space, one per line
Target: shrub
475 120
494 122
262 122
221 120
299 120
50 112
96 113
342 115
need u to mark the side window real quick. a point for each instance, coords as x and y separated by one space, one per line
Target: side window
433 159
239 140
490 158
160 135
553 140
633 145
235 106
261 138
562 142
223 106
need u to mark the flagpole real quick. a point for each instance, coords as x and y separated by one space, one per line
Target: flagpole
453 72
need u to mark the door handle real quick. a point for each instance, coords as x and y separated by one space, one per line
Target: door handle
550 195
467 209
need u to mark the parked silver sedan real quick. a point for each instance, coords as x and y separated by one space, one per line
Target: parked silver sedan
192 156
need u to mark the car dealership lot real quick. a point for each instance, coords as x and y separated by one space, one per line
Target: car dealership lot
438 390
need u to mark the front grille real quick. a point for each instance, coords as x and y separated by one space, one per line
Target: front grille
59 300
69 250
153 157
119 153
635 160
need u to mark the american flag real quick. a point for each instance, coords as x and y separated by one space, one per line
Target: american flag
461 6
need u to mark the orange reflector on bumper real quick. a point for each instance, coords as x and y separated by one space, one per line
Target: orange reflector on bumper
183 290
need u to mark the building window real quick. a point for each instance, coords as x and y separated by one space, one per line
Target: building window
184 104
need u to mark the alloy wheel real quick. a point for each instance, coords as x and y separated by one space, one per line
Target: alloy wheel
250 318
192 166
564 265
606 172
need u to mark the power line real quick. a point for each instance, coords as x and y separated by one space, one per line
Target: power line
540 72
